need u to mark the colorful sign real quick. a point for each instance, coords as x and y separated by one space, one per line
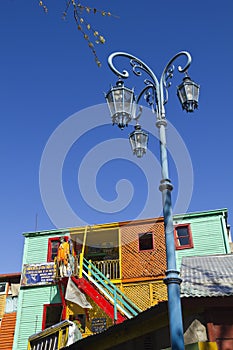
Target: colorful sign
98 325
38 274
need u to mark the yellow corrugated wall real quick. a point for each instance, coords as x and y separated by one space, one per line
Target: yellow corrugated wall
2 304
146 294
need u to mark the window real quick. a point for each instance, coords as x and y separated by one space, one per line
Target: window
3 286
146 241
183 236
53 244
52 314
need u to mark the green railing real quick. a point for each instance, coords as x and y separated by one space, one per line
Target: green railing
111 292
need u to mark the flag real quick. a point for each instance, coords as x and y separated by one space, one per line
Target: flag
74 295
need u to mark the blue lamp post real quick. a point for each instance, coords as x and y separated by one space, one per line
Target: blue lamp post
123 105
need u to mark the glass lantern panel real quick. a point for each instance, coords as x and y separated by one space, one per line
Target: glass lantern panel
182 94
140 139
128 97
195 92
132 142
144 138
118 99
111 108
110 102
118 95
109 97
189 92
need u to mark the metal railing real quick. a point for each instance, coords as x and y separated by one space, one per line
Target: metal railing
109 268
117 298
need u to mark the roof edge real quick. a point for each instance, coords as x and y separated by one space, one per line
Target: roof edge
223 211
72 230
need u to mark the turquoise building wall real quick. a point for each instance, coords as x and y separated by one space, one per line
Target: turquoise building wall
30 312
209 233
36 245
32 299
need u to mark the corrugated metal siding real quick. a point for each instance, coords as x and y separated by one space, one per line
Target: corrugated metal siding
30 319
7 331
36 248
208 237
2 304
145 295
151 263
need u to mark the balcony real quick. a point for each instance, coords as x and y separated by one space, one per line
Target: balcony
109 268
54 337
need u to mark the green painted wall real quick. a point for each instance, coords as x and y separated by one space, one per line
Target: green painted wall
32 299
209 234
30 312
36 247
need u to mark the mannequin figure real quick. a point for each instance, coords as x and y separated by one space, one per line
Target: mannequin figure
63 257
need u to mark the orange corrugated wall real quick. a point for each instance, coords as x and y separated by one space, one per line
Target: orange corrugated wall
144 264
7 331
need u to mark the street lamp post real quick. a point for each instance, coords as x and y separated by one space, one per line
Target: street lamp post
123 105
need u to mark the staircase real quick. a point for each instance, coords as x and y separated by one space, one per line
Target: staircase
105 294
86 287
7 331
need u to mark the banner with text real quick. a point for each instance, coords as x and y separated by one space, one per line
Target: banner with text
38 274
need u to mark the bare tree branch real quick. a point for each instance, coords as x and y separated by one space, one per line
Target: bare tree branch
91 35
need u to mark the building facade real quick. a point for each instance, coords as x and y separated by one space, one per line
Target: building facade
117 269
201 233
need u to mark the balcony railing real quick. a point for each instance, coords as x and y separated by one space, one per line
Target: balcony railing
52 338
109 268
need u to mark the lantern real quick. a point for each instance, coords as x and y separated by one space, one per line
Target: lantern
188 93
138 140
121 103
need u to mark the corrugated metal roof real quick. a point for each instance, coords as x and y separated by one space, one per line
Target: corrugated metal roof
207 276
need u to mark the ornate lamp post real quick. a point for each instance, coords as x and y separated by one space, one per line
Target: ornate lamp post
123 104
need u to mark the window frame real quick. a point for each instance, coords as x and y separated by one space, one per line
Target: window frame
5 289
50 240
143 234
176 239
45 307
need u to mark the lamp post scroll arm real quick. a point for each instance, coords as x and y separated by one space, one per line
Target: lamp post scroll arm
168 73
149 93
152 97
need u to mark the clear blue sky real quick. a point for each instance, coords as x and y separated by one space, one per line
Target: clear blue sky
48 74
